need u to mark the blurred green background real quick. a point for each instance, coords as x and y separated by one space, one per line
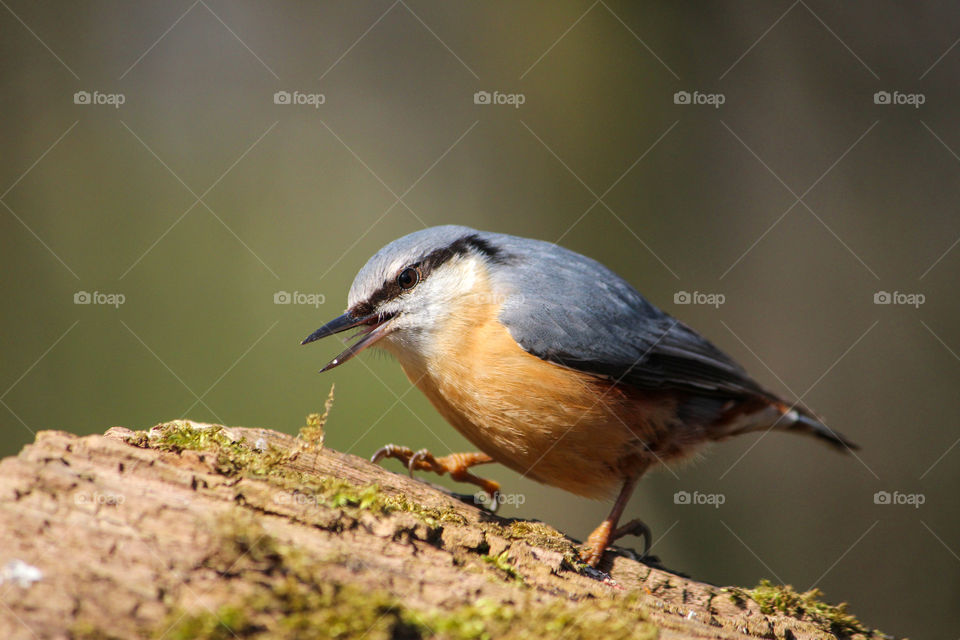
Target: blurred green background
797 199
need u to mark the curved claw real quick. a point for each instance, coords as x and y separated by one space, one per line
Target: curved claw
381 453
636 528
415 458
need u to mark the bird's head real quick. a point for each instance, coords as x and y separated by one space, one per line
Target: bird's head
409 289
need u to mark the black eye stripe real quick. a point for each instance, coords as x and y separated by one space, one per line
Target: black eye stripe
427 263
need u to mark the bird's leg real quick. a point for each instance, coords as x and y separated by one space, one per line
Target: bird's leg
607 532
456 464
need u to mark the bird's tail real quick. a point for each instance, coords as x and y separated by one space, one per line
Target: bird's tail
802 421
779 416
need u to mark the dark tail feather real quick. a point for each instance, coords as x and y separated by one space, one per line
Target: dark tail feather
805 423
769 413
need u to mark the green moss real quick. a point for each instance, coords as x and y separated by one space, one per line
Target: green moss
287 596
225 624
349 495
538 534
139 439
342 494
783 599
238 458
535 532
617 618
502 563
290 609
233 457
431 515
84 630
312 433
335 493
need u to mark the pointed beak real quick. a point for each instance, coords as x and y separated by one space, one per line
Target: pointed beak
373 328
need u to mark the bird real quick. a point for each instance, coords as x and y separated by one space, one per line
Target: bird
551 364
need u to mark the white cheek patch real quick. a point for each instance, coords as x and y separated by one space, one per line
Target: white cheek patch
424 310
449 283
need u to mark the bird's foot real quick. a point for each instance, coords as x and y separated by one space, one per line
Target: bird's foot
596 544
635 528
605 534
456 464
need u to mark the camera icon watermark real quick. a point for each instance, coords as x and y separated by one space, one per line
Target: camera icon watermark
896 498
109 299
698 297
899 298
496 97
299 98
96 97
898 98
298 297
696 498
714 100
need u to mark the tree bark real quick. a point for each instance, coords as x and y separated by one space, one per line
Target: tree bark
193 530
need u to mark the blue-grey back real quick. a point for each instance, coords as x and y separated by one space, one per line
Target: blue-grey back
570 309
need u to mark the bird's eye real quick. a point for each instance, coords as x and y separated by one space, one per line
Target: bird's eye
408 278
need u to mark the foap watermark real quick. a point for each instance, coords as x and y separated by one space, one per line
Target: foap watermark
900 298
299 297
910 499
699 297
100 499
512 499
899 98
699 98
299 98
496 97
97 297
96 97
696 498
495 299
296 498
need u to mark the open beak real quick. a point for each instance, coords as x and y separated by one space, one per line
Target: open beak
373 328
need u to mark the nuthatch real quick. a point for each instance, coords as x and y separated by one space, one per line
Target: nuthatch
550 364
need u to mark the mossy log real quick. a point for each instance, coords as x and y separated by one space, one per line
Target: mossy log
198 531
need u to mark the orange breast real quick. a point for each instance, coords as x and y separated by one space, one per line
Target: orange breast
555 425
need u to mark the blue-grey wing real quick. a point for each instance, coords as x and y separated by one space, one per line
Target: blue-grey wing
568 309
